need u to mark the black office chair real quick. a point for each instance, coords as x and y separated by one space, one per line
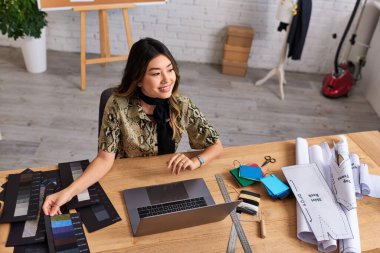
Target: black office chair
102 104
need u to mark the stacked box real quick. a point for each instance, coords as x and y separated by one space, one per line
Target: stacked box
236 50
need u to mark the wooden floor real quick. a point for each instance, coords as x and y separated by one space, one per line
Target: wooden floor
45 118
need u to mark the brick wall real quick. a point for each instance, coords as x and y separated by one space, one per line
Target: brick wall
194 30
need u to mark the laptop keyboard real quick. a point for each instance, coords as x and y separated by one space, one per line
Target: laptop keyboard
171 207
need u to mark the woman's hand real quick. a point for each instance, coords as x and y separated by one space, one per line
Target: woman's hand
180 162
54 201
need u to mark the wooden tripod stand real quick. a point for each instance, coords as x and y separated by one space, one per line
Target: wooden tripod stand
279 69
105 54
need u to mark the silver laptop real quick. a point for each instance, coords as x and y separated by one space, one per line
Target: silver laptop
160 208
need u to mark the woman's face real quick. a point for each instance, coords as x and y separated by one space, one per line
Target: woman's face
159 78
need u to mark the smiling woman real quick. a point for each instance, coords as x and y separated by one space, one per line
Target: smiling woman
146 116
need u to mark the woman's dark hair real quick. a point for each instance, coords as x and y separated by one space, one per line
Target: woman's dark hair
141 53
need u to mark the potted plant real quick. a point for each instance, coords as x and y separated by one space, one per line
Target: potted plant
23 19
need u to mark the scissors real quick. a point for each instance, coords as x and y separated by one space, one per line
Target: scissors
268 159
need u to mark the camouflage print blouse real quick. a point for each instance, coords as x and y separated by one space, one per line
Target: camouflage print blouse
129 132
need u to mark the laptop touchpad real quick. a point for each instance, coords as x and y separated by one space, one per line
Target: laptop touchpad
166 193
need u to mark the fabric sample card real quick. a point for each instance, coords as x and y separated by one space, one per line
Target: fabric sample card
100 215
275 187
250 172
32 248
22 197
69 172
65 233
33 231
250 204
241 181
76 171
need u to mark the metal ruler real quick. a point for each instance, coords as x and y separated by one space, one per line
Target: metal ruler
233 237
235 219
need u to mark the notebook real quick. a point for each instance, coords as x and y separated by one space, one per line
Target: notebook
165 207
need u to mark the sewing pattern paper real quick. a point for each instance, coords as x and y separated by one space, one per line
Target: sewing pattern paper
343 181
304 232
346 179
317 202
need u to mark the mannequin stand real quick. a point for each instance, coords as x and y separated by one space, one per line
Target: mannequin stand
279 69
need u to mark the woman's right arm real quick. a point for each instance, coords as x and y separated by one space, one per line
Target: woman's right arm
94 172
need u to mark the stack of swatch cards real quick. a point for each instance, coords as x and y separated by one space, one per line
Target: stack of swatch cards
248 174
93 205
242 180
250 202
23 195
65 234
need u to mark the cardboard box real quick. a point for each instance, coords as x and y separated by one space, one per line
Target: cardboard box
240 36
236 53
234 68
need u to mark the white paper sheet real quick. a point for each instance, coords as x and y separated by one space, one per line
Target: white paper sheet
375 187
317 202
345 193
343 180
365 183
304 232
316 156
355 165
365 180
351 245
346 181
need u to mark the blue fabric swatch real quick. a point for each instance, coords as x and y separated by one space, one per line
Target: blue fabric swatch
250 172
275 187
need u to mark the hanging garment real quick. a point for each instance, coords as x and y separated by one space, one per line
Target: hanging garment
284 14
298 29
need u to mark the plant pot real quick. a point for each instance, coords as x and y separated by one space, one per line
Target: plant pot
34 52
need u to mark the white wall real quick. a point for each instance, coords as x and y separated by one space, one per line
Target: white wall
194 30
371 77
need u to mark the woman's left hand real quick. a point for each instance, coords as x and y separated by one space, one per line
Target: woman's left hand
180 162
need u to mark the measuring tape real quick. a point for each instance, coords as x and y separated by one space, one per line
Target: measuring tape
236 222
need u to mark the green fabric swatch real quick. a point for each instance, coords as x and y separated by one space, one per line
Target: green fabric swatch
242 181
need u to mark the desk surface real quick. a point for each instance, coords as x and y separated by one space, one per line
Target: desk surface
280 216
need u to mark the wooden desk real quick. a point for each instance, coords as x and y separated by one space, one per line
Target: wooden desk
280 215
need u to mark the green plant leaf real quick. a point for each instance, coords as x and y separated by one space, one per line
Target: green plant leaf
20 18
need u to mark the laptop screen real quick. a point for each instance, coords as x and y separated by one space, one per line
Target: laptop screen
167 193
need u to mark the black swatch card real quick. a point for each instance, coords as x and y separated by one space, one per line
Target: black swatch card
65 233
32 248
21 200
33 231
100 215
68 173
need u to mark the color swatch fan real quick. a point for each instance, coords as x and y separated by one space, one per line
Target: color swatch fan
65 233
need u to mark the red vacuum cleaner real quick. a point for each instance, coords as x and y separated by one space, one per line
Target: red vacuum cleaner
339 83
